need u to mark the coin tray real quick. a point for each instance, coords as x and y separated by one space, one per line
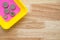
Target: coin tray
19 12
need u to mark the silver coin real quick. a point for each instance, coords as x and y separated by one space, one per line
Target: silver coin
5 4
5 16
6 11
12 14
12 7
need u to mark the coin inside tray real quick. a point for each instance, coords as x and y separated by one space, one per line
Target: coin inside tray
8 9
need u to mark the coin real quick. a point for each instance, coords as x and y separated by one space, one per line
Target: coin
5 16
12 7
12 14
5 4
6 11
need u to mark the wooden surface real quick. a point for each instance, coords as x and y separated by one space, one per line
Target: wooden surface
41 23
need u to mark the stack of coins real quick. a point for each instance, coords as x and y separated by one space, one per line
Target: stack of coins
8 10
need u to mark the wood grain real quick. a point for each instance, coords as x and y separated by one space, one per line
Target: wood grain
48 11
42 22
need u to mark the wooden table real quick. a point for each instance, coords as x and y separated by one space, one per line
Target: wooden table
42 22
